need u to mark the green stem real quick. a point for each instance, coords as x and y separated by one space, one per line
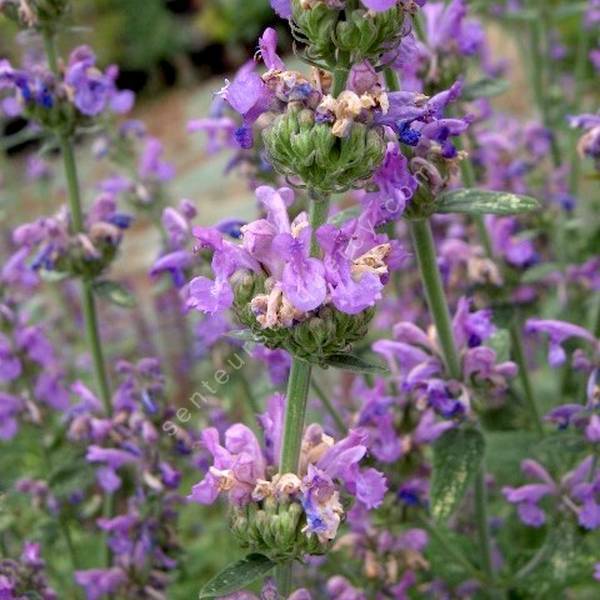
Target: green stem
434 292
482 523
72 179
297 394
391 79
250 397
541 71
596 323
340 76
87 293
519 356
50 48
94 344
318 213
283 576
328 405
538 558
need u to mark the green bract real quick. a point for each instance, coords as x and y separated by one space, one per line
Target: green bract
359 34
300 147
325 333
275 530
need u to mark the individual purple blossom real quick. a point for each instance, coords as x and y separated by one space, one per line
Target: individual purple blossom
446 28
339 588
396 184
249 96
151 165
558 332
592 14
237 466
37 169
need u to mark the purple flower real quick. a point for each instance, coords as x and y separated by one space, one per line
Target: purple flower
277 361
93 90
341 462
237 466
151 166
10 407
446 27
267 44
396 184
558 332
98 582
282 7
10 365
249 96
528 496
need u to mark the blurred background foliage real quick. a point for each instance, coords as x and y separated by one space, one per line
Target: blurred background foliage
159 42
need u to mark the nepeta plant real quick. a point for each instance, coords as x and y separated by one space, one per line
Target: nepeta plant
395 364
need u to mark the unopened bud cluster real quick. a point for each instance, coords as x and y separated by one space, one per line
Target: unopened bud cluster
326 28
276 528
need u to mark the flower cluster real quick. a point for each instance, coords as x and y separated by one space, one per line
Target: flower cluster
29 365
287 513
415 360
64 101
49 243
126 449
276 287
576 492
26 577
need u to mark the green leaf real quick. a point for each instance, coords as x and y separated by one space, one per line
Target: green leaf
485 88
345 215
457 456
350 362
237 576
484 202
114 292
